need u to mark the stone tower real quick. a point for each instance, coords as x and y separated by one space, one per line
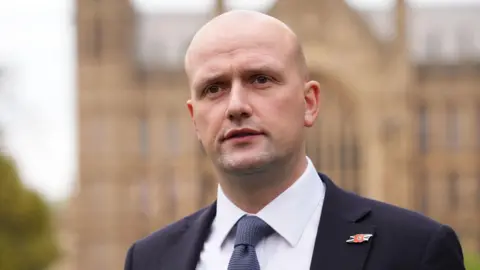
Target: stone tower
108 102
140 166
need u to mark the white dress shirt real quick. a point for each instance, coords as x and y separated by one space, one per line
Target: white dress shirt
294 215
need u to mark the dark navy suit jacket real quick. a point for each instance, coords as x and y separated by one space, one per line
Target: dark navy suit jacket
402 239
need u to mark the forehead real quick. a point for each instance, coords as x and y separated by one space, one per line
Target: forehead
237 52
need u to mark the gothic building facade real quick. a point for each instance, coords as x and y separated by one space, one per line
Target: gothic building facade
397 123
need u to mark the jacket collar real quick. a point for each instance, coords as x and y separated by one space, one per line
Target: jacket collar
185 251
343 215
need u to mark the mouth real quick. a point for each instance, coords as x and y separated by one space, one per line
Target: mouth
241 133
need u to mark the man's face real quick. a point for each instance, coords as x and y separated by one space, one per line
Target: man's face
248 100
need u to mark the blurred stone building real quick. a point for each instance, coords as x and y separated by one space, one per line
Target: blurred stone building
400 119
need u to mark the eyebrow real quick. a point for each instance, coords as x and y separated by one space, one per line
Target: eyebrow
205 80
265 68
268 69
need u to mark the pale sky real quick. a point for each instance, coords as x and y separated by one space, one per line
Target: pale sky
37 92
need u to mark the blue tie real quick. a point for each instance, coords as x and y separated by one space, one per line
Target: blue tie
250 230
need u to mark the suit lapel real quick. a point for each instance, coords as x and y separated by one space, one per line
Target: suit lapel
343 216
186 252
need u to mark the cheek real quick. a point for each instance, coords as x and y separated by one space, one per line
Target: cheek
209 122
290 107
284 114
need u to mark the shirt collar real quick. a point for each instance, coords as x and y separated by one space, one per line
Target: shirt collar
297 205
227 215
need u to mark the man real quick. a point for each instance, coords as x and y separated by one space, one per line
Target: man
251 102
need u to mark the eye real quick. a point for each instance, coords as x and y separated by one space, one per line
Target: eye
261 79
212 90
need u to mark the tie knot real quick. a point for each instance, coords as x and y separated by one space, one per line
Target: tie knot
250 230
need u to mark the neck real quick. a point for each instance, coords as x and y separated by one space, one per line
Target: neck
253 192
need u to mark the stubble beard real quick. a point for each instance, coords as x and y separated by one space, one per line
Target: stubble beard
246 164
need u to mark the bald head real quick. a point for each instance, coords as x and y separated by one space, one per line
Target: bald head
230 29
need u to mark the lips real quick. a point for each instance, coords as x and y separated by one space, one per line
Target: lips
240 133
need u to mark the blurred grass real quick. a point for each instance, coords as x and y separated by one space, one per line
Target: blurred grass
472 261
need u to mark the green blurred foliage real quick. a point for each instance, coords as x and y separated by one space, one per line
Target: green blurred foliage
27 239
472 261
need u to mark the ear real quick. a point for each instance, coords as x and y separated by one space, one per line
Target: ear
192 115
312 102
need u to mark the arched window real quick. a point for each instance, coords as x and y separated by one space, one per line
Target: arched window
452 127
422 192
97 37
143 130
423 128
453 192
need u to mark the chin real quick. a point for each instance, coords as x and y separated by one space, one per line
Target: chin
245 164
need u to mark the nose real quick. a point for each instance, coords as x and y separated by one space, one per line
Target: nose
238 107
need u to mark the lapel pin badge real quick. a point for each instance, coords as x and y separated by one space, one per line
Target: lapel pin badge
359 238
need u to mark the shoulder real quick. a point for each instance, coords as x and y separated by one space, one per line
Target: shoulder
143 252
352 206
419 238
398 221
359 208
399 218
167 235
